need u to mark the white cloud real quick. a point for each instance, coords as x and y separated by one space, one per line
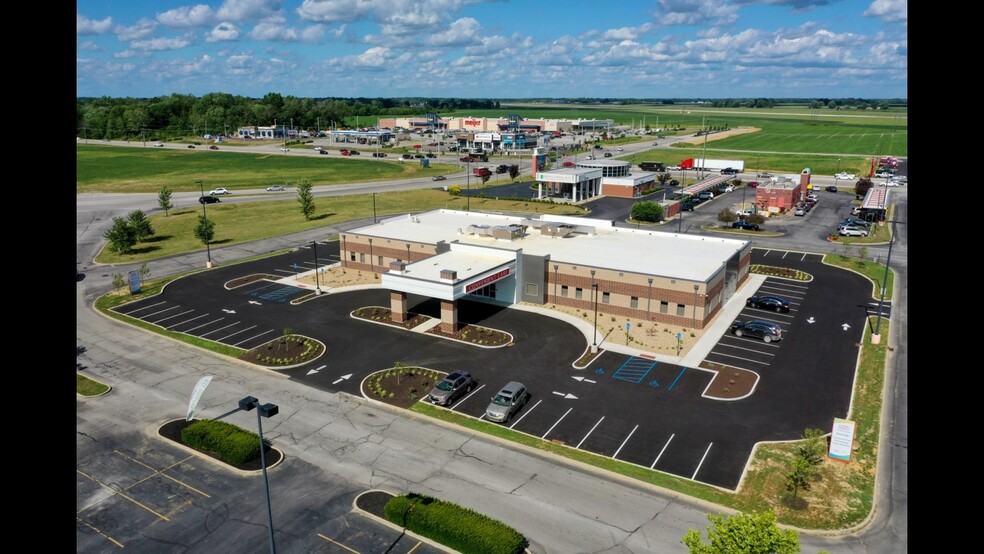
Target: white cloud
222 32
313 33
244 10
160 44
695 12
86 26
141 29
274 29
334 11
89 45
131 54
626 33
187 16
890 11
463 31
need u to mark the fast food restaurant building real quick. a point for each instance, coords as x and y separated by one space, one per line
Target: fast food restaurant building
453 255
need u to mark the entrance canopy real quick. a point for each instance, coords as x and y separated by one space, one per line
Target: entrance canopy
454 274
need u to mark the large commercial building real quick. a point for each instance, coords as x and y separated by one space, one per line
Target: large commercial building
452 255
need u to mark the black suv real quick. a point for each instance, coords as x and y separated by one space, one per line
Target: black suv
769 332
451 388
729 171
744 225
209 200
773 303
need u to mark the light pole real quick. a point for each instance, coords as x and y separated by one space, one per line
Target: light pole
374 208
649 296
876 338
468 177
208 251
372 265
696 288
594 337
556 267
266 410
317 286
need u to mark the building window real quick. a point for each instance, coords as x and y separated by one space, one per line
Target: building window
362 258
379 260
681 310
578 293
606 297
634 302
531 289
563 290
664 307
351 256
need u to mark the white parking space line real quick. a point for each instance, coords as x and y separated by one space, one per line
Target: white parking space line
158 322
253 337
741 358
589 432
556 423
237 332
149 306
206 324
526 414
615 455
466 397
159 312
219 329
702 458
187 321
660 455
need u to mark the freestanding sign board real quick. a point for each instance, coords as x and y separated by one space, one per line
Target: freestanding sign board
134 277
841 439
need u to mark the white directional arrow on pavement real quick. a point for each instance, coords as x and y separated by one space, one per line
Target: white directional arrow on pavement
313 371
579 378
340 379
566 395
255 302
228 311
810 319
845 326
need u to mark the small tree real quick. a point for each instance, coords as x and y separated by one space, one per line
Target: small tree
454 190
164 199
647 211
121 236
754 533
513 172
486 177
727 215
140 224
813 449
862 186
799 476
144 272
118 281
305 198
205 230
663 178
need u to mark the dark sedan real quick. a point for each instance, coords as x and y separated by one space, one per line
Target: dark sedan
771 303
744 225
209 199
769 332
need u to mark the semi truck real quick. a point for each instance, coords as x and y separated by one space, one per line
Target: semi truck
709 164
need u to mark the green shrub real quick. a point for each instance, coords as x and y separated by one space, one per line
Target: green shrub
464 530
229 443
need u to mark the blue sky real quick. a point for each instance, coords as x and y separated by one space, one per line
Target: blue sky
494 49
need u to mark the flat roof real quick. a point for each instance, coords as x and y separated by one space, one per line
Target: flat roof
596 244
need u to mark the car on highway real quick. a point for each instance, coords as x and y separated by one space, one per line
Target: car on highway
852 231
744 225
191 146
158 145
439 178
209 200
451 388
729 171
285 149
213 147
769 332
354 153
466 159
569 164
507 402
608 154
276 188
322 152
218 191
845 176
620 149
771 303
753 184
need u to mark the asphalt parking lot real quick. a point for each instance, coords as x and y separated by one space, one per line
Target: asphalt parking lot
628 407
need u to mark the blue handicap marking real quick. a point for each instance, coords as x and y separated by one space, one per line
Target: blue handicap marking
634 369
600 371
653 383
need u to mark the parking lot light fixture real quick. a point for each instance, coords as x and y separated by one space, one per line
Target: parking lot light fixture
317 285
594 337
208 251
876 337
696 288
266 410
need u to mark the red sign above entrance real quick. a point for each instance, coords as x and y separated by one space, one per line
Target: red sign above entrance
487 280
473 122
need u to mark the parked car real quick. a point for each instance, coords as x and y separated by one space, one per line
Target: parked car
800 210
213 147
769 332
753 184
673 183
276 188
856 210
746 212
451 388
608 154
852 231
706 195
507 402
831 188
771 303
209 200
439 178
856 221
845 176
813 197
218 191
744 225
728 188
687 206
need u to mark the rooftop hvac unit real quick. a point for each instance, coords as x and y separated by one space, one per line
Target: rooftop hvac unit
508 232
480 230
556 229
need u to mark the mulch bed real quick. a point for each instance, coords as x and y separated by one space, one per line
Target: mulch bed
172 431
729 382
374 502
290 350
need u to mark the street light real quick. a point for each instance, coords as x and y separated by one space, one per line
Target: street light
594 338
317 286
649 296
208 251
696 288
468 177
876 338
266 410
